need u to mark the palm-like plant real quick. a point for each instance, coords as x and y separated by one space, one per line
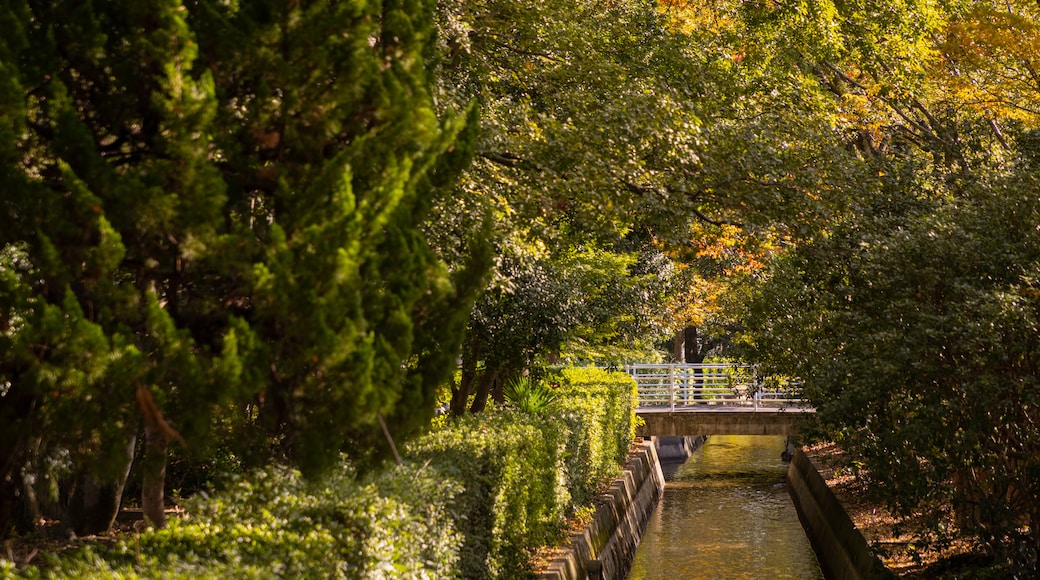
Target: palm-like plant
528 396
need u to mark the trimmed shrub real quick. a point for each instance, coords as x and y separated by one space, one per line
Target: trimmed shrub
522 473
274 524
599 408
492 489
509 466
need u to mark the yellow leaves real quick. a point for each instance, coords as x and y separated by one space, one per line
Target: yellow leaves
863 112
857 103
735 252
690 16
990 55
716 247
987 32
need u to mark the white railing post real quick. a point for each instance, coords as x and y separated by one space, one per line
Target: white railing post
683 384
671 385
756 385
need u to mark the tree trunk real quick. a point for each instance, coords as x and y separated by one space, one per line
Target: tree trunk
695 351
485 383
679 347
966 495
1034 532
157 435
13 515
498 393
154 475
96 498
460 395
17 414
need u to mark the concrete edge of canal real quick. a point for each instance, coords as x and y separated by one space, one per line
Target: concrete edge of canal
606 547
840 547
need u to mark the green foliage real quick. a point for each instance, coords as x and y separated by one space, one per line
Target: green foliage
530 396
509 465
585 304
271 522
473 500
599 409
341 156
522 473
610 135
219 205
914 328
490 489
905 301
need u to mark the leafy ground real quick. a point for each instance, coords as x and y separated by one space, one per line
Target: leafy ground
899 542
48 539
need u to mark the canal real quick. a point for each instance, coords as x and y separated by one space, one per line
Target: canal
726 514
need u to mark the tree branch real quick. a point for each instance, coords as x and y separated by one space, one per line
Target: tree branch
490 39
505 159
644 191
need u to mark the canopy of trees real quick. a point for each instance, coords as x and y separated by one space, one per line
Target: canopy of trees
910 311
276 228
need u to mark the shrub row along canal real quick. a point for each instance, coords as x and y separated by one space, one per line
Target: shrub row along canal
726 513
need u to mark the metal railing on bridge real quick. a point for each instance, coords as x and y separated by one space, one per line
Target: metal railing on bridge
678 386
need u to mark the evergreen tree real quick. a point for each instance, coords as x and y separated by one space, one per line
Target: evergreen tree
215 207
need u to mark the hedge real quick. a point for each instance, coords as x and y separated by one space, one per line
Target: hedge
474 499
275 524
599 407
522 474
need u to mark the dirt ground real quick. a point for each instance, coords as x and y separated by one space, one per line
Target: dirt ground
902 551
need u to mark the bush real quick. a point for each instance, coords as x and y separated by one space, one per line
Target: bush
273 523
522 473
530 396
599 407
492 488
509 465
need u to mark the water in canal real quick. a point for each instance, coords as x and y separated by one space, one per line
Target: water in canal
726 514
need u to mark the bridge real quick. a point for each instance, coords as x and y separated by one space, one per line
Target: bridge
714 399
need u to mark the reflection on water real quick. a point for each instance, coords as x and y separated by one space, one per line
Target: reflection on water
726 514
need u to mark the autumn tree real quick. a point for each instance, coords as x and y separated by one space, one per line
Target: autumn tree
611 126
908 311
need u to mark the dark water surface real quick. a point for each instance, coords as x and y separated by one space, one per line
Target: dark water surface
726 514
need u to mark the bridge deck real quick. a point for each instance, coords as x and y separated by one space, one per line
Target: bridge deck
692 421
725 409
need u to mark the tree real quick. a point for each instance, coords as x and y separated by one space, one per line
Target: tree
927 323
588 305
894 297
908 313
215 208
608 126
103 153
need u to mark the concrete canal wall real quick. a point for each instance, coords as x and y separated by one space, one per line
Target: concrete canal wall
677 448
606 547
840 547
